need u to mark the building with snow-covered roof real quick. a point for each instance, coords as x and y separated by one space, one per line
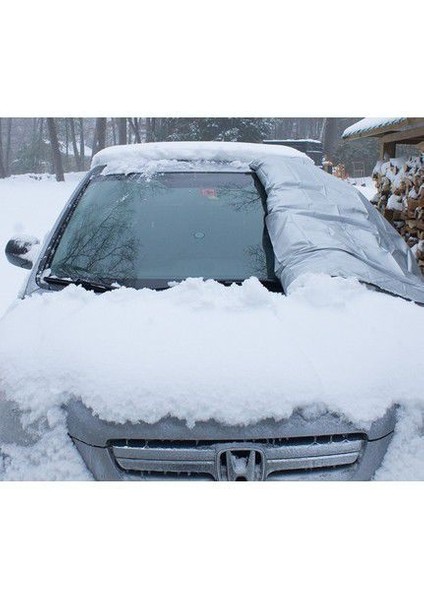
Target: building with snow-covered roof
313 148
391 131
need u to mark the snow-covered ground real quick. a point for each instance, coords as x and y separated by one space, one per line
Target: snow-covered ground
29 204
340 352
365 185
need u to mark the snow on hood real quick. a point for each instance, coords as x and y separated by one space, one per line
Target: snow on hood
133 157
202 351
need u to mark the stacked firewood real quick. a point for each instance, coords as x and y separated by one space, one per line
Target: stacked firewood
400 197
339 170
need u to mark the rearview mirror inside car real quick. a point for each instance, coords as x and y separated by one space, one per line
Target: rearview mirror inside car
21 251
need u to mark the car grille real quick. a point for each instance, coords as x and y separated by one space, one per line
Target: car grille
259 459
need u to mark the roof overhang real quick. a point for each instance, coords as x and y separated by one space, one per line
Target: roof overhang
402 129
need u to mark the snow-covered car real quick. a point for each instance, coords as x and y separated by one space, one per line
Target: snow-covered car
212 402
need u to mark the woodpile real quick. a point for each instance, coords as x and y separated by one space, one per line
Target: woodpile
400 197
339 170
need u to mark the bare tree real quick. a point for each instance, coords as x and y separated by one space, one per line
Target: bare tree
113 128
8 146
39 142
122 131
77 156
56 156
82 143
99 141
150 129
67 140
135 126
329 136
2 169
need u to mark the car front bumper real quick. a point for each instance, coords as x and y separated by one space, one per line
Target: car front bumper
325 448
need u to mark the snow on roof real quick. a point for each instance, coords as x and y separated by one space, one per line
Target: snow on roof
370 124
138 154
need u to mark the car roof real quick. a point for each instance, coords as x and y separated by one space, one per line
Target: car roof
136 156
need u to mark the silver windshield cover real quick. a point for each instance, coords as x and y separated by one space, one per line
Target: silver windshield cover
320 224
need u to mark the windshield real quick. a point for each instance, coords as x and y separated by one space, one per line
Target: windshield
140 232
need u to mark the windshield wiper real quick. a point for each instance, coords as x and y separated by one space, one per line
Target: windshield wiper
230 281
271 284
85 283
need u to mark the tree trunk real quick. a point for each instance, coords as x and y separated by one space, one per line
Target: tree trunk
158 129
154 127
148 129
37 158
2 169
280 129
67 140
99 141
135 126
329 136
151 129
34 139
77 157
318 129
114 142
122 131
82 143
8 146
56 157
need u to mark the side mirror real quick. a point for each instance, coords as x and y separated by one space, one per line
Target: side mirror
21 251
